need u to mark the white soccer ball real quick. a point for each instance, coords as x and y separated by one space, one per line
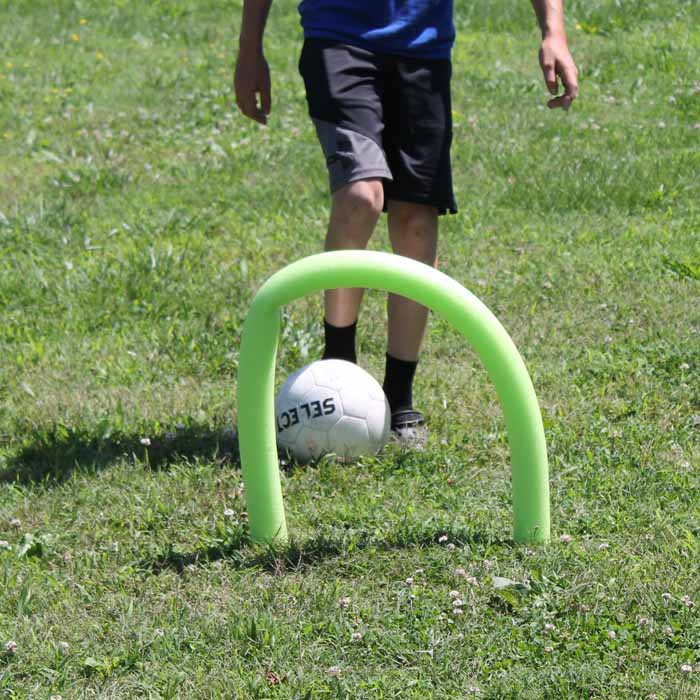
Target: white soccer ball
331 406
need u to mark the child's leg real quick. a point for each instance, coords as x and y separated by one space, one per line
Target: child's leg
416 138
413 231
355 209
342 89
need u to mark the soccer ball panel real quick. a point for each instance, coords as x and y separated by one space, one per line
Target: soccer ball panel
287 438
298 382
321 407
287 427
355 402
379 421
310 444
294 410
334 374
375 391
349 438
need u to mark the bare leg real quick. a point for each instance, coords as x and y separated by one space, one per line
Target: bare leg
413 231
355 209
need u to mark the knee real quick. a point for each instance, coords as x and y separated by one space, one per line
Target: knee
414 232
364 198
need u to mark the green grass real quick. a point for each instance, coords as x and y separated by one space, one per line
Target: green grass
138 215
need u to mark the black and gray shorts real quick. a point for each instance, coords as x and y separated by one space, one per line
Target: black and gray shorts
382 116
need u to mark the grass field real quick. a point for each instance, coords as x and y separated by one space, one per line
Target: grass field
139 212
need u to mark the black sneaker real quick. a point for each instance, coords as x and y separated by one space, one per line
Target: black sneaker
408 429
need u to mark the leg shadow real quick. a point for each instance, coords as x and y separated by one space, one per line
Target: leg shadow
299 556
63 451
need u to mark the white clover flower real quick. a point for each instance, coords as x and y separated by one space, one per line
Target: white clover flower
334 671
229 512
549 627
666 596
457 602
409 581
356 636
565 539
603 546
548 650
471 580
457 611
451 546
11 647
686 668
4 544
14 522
64 647
454 594
460 572
643 621
145 441
442 538
344 602
612 634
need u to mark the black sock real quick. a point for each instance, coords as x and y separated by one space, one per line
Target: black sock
340 342
398 383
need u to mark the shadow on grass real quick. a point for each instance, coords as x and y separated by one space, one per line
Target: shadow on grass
297 556
62 451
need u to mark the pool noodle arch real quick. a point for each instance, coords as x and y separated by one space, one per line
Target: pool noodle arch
427 286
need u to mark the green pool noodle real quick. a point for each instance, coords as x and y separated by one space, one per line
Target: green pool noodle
429 287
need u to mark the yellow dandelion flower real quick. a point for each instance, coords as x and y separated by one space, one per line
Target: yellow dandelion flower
6 134
9 65
99 55
83 22
75 37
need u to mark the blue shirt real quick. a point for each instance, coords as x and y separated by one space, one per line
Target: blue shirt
422 28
